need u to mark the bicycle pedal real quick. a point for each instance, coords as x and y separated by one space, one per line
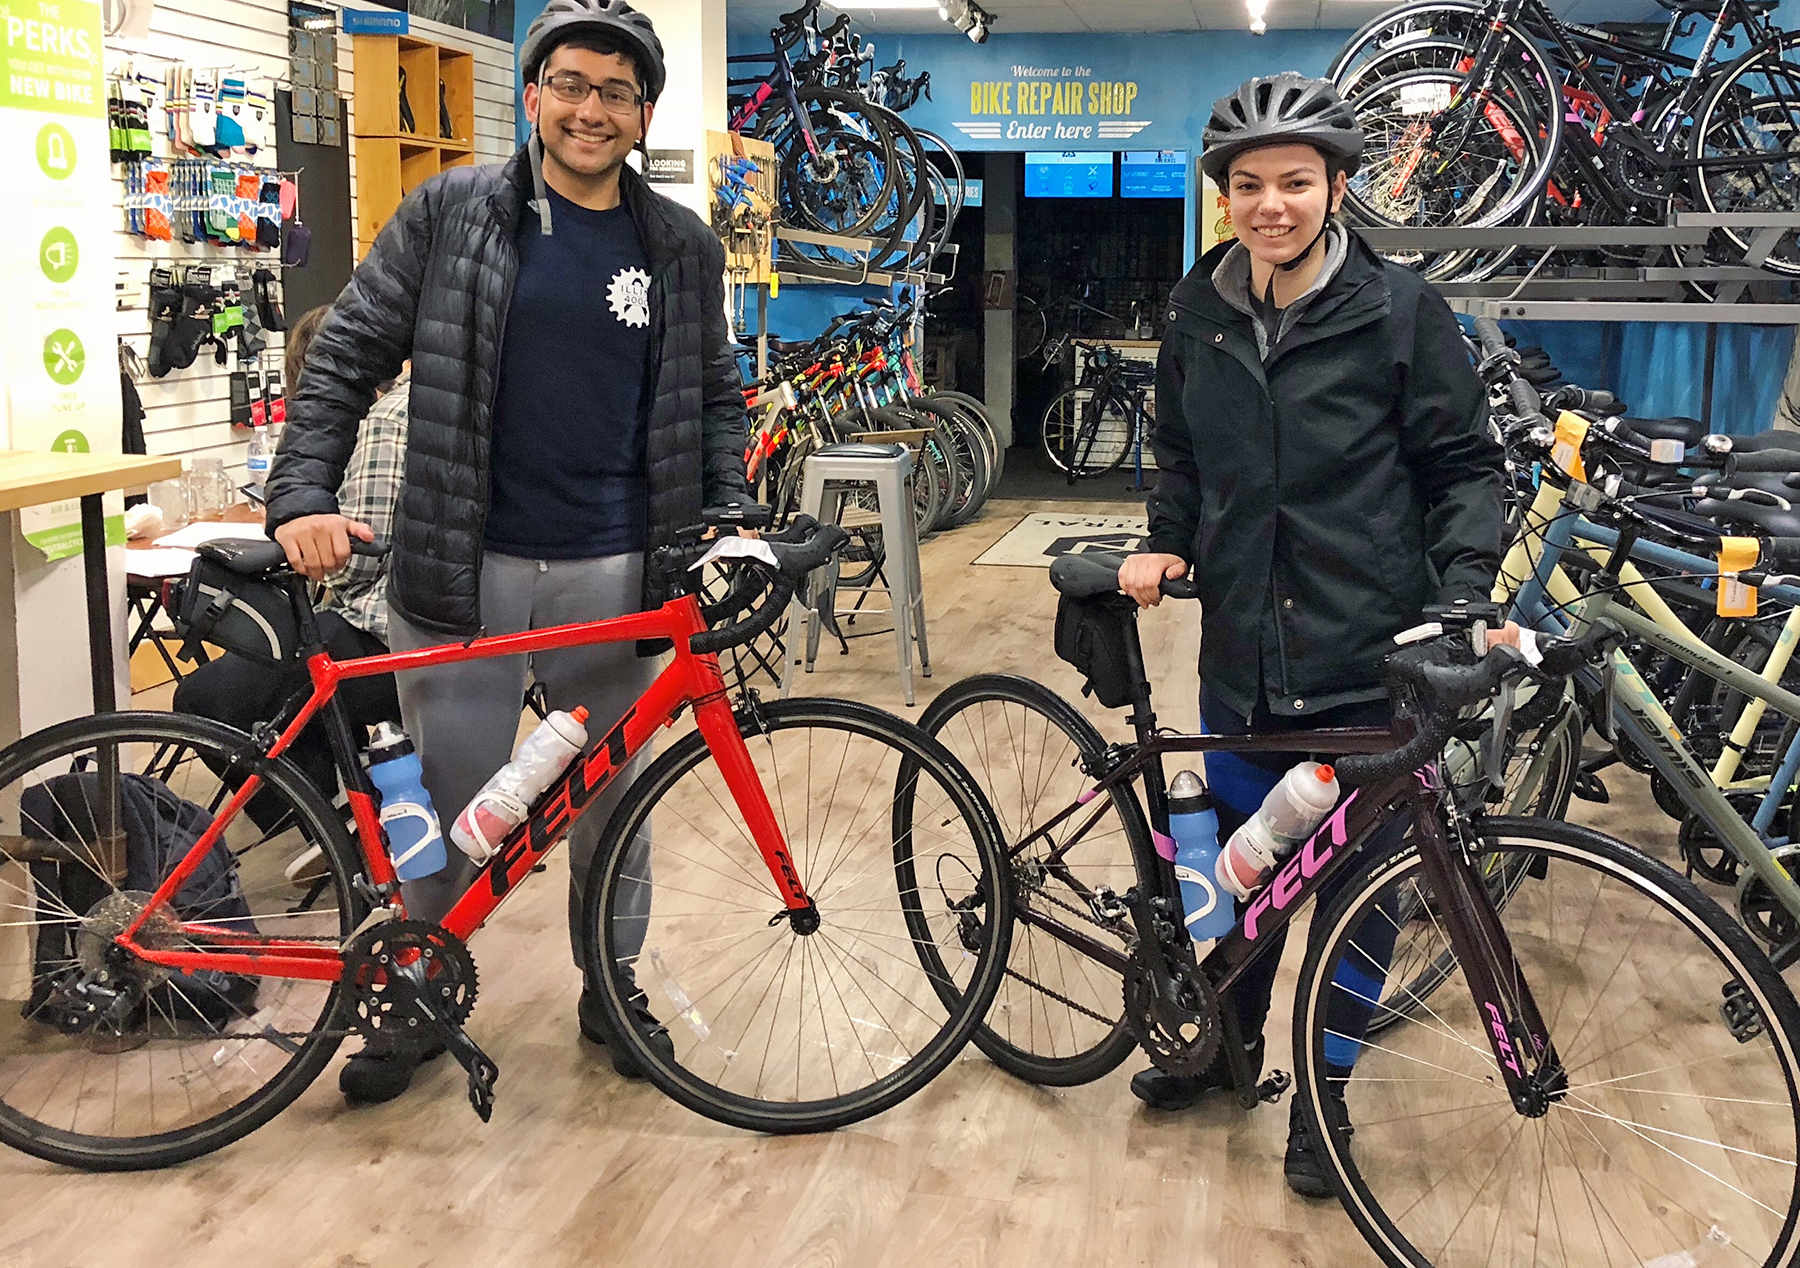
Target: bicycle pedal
1589 787
483 1073
1272 1089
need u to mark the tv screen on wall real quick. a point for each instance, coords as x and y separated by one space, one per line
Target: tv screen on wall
1153 174
1069 174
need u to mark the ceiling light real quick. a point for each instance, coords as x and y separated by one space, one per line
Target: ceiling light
1257 8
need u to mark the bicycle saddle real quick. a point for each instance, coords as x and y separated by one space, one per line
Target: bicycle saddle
246 558
1086 575
1689 431
1771 520
1764 441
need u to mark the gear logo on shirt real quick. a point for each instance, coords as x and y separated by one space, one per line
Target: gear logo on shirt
629 296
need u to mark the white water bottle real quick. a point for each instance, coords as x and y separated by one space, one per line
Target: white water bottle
1288 815
505 799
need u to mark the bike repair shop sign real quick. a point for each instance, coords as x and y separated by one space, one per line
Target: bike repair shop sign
1050 91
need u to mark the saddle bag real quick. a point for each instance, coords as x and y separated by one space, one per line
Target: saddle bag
250 615
1099 636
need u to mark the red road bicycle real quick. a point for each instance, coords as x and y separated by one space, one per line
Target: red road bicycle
188 929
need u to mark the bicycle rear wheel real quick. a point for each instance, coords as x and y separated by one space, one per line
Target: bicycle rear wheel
1058 1017
108 1062
1085 435
1679 1041
774 1030
1751 113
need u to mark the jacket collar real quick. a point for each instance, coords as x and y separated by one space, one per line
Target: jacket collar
649 210
1232 281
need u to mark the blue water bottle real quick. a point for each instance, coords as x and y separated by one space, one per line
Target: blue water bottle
1195 826
415 840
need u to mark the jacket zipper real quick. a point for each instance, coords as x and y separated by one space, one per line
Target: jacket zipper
487 478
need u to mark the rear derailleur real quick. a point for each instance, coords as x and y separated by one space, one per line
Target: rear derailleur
412 985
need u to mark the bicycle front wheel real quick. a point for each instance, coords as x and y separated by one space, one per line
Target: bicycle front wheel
772 1029
1679 1122
1086 435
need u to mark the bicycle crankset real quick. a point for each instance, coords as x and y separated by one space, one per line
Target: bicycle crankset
1758 908
1170 1007
413 984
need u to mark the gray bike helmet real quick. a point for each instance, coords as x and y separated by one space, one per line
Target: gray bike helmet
563 18
1277 110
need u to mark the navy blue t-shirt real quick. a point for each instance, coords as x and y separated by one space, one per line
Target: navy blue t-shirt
567 461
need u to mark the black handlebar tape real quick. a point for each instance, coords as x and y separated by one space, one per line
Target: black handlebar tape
710 641
374 549
1487 333
1376 768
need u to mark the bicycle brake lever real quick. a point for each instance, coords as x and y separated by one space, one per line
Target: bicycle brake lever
1494 760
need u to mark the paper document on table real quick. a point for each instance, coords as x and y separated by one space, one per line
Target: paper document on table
212 531
160 561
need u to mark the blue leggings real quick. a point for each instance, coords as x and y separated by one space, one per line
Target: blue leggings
1239 782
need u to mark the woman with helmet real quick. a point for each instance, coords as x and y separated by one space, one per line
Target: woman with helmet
575 403
1324 470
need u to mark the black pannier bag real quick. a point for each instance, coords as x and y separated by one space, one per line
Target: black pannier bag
1098 635
216 604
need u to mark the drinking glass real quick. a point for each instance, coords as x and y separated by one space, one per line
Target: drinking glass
209 489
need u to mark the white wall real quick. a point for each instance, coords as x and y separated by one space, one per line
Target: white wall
693 39
188 411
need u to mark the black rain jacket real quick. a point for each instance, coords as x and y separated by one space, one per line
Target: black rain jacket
1324 499
436 287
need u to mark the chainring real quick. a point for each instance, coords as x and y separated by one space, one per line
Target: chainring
384 1017
1178 1039
1758 908
1710 858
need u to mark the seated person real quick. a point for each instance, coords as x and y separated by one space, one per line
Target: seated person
353 618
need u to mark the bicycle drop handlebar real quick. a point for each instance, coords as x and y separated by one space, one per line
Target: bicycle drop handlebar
1431 682
803 546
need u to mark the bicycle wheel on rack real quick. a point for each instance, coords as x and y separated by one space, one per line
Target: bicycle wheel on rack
1752 113
774 1030
1482 166
977 411
1058 1017
1086 433
108 1062
1679 1044
844 188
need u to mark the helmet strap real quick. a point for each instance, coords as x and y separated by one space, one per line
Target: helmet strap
534 149
1303 257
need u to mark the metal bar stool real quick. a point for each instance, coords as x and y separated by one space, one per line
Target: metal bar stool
832 474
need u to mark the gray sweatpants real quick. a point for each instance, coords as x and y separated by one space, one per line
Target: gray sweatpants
464 718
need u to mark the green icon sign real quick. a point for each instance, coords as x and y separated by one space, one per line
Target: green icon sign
63 356
56 151
58 255
70 442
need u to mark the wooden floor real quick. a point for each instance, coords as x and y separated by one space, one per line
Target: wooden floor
579 1167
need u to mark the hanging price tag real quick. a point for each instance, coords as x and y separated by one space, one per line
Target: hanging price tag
1571 434
1736 554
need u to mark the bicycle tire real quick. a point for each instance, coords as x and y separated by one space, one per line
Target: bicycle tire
163 736
827 112
1725 193
1029 1049
979 411
916 757
1701 972
1030 328
1071 419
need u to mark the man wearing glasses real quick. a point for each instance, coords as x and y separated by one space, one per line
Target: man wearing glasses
575 402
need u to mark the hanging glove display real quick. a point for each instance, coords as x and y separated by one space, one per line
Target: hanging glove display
165 307
268 300
194 324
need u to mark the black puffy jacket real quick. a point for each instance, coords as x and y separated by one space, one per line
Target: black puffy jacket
436 287
1325 498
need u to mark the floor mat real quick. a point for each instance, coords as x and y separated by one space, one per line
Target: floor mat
1042 536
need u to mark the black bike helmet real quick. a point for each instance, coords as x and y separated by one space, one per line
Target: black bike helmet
1276 110
563 18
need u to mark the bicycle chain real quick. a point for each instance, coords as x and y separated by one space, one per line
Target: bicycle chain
1063 999
1082 914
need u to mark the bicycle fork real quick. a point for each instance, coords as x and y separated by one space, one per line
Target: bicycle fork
719 725
1515 1028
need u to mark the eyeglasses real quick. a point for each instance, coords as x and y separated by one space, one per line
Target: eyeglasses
619 98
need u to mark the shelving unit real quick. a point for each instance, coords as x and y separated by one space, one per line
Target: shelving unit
390 161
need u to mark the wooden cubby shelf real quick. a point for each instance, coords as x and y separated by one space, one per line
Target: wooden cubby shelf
390 161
